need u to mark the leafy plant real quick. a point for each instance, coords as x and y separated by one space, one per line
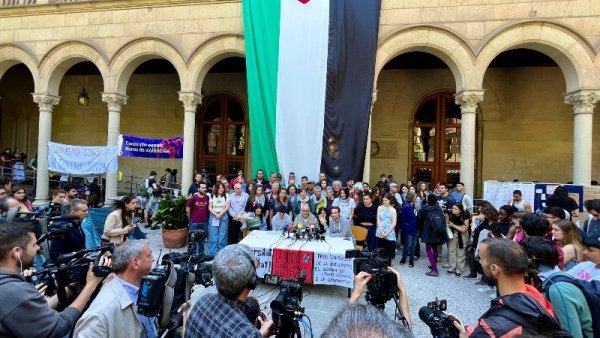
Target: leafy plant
171 213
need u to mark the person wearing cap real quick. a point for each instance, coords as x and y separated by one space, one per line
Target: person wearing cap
590 269
282 220
310 188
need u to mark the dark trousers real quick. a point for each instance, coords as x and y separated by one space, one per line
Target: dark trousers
234 231
371 238
389 246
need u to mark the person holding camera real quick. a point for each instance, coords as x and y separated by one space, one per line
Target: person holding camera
21 301
113 312
223 314
74 239
519 308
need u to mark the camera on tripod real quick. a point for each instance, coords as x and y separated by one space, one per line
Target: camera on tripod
286 309
169 285
383 284
440 324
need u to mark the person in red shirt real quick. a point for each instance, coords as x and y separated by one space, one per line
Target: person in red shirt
197 211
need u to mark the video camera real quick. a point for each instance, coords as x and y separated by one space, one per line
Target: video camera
286 309
383 285
194 237
71 268
169 285
440 324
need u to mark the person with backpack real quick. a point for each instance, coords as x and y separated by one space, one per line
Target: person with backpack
154 192
520 309
559 288
433 233
590 269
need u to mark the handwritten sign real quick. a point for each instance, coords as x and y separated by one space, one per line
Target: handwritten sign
82 160
499 193
287 264
333 269
264 256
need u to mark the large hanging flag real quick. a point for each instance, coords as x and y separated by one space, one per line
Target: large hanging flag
310 69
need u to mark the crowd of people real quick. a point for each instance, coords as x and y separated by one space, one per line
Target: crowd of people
534 266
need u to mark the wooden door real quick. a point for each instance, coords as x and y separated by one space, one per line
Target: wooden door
222 136
436 140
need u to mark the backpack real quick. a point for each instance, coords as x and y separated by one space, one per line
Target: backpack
436 220
591 292
544 327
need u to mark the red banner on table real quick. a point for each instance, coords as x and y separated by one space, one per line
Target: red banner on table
287 264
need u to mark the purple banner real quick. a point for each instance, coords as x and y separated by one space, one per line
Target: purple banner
169 148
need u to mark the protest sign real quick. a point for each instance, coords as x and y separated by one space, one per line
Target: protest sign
264 257
169 148
82 160
333 269
287 264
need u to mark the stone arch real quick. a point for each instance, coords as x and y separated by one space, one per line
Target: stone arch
11 55
59 59
133 54
433 40
566 48
208 54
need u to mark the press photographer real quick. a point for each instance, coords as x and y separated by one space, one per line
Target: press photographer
223 314
381 283
21 301
113 312
73 238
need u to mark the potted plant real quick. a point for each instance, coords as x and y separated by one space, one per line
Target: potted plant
173 219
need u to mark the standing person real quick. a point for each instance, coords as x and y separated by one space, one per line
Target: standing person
72 193
423 191
119 223
366 217
154 194
113 312
591 226
444 199
6 161
318 198
237 206
260 178
560 198
20 194
195 185
293 196
74 238
197 212
345 203
518 202
566 234
303 198
458 222
57 205
431 218
386 223
19 161
218 219
505 263
281 200
408 226
166 179
505 219
589 269
238 179
460 196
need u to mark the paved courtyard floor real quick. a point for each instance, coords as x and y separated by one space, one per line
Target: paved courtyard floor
322 302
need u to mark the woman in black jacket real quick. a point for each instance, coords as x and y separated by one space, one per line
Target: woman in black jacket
432 223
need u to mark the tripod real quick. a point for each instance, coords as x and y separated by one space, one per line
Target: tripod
398 313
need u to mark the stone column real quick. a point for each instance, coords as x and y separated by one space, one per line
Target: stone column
190 101
367 165
468 100
583 102
115 102
46 104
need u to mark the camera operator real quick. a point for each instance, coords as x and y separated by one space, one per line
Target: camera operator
21 301
74 239
113 312
520 308
223 314
360 284
363 320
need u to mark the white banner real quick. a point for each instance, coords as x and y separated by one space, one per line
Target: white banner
82 160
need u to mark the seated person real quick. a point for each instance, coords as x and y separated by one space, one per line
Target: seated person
338 226
282 220
306 218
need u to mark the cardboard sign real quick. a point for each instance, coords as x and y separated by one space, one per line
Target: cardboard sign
332 269
287 264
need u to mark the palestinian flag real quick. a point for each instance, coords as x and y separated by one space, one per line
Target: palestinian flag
310 69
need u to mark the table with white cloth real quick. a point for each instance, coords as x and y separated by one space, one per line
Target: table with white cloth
323 261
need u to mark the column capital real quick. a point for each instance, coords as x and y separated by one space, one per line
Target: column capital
468 100
190 100
46 102
114 101
583 101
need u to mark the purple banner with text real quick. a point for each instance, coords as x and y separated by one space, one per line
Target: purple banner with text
168 148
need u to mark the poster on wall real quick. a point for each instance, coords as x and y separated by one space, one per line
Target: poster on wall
82 160
544 190
499 193
162 148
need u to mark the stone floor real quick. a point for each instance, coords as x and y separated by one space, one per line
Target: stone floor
322 302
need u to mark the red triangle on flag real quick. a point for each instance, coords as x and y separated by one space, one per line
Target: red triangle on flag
304 2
